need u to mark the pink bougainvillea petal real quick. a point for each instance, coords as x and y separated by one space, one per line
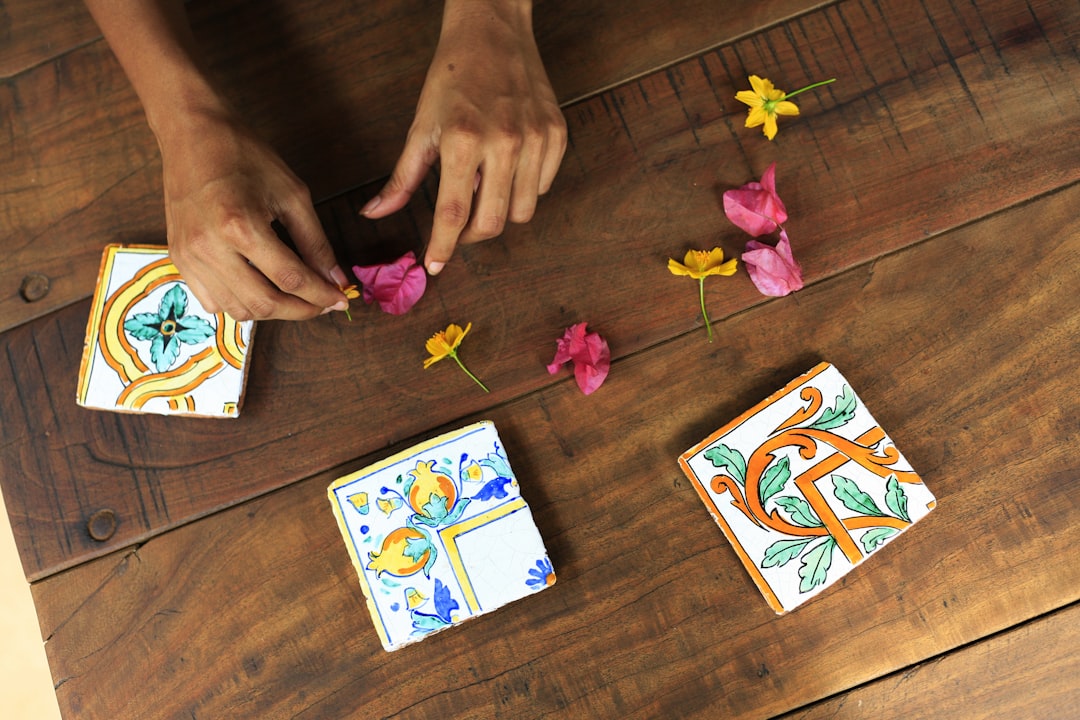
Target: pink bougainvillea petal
755 207
395 286
773 270
588 351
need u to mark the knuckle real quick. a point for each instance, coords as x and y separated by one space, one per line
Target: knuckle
290 280
239 314
453 213
522 214
261 308
489 226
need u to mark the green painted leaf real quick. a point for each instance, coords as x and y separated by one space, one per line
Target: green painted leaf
896 498
723 456
143 326
415 548
782 552
774 478
193 329
839 414
164 351
815 565
427 623
873 538
174 304
800 511
435 507
854 498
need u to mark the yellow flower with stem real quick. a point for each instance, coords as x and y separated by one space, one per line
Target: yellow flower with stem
700 264
351 293
766 102
444 344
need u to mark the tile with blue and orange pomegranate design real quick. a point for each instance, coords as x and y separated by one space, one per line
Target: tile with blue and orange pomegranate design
439 534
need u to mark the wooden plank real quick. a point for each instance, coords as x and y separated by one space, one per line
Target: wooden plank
256 611
1025 672
36 31
640 184
331 85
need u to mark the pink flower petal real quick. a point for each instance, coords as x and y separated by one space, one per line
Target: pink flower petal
755 207
773 270
395 286
588 351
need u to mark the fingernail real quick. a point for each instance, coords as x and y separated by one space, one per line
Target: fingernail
339 306
371 205
326 310
338 276
434 268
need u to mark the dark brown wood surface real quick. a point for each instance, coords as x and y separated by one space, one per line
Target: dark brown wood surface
641 183
1029 671
256 611
932 192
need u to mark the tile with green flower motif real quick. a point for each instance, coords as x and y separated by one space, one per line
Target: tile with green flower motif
150 345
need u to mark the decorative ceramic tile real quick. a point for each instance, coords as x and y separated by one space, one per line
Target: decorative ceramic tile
440 533
152 348
806 485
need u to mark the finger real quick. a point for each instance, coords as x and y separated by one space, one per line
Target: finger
492 199
409 171
452 208
258 298
302 222
527 181
287 273
554 151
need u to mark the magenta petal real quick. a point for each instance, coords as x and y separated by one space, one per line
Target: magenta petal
588 351
396 286
773 270
755 207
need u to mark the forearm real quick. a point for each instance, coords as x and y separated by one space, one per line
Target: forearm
155 46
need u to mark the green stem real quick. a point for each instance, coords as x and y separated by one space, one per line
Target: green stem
348 314
701 293
475 379
809 87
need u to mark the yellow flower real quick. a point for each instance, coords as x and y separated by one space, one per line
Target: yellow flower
766 102
699 264
444 344
351 293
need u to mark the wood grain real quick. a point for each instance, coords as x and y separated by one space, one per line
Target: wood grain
866 171
332 85
256 612
1024 673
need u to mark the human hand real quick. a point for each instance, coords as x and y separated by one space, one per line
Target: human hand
488 114
223 189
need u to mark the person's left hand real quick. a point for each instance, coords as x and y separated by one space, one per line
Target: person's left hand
488 114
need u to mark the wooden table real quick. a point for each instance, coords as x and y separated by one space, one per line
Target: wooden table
933 192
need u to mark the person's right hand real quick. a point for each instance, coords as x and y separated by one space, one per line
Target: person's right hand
223 189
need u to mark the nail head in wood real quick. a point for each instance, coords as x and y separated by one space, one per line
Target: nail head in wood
34 287
102 525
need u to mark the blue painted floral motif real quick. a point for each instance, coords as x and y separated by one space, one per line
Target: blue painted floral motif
542 575
168 328
425 622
